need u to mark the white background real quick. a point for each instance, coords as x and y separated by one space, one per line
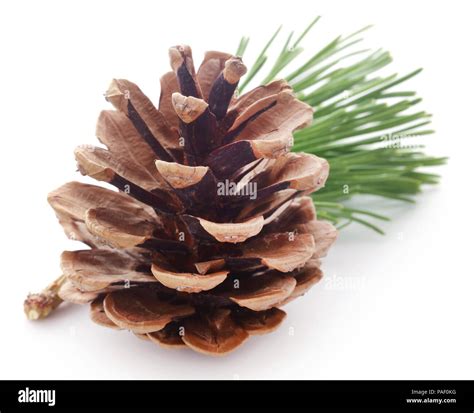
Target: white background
392 307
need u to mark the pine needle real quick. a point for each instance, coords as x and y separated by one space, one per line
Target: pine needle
361 124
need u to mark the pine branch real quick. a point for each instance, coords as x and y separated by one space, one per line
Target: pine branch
361 123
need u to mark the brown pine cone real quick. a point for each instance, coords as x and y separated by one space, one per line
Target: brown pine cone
212 230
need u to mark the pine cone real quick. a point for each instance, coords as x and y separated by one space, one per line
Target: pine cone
212 230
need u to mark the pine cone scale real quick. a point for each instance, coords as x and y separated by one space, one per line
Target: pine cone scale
211 67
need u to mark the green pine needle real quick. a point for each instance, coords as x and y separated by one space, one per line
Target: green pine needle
362 126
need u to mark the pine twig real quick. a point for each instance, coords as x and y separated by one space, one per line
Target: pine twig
361 124
40 305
